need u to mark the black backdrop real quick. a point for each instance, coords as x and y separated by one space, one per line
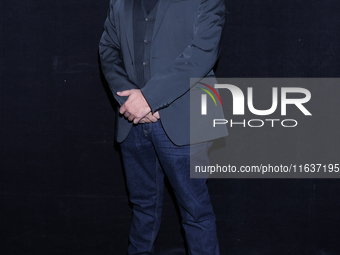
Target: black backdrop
61 182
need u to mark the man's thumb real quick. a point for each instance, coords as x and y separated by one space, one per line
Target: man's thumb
124 93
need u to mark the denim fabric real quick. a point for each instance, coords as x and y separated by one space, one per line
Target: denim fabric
148 154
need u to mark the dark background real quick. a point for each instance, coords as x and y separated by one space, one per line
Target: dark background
61 182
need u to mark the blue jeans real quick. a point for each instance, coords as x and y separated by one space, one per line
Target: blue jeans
148 154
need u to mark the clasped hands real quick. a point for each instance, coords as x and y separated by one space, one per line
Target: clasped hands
136 108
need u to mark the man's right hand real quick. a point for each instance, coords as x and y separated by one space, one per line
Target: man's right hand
150 118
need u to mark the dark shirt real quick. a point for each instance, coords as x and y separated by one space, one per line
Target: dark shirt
143 24
149 5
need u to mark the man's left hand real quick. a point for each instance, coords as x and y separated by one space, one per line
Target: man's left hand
150 118
135 107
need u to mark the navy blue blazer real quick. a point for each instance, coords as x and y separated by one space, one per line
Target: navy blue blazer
185 44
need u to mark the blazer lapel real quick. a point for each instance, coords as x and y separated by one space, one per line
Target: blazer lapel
162 8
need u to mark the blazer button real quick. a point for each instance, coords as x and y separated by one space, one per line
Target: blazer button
145 63
146 41
147 19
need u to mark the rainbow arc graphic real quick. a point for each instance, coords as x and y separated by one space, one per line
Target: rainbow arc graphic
204 97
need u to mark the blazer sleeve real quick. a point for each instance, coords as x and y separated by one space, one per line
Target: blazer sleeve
196 61
111 58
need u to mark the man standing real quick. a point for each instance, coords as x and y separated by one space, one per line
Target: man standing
149 50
